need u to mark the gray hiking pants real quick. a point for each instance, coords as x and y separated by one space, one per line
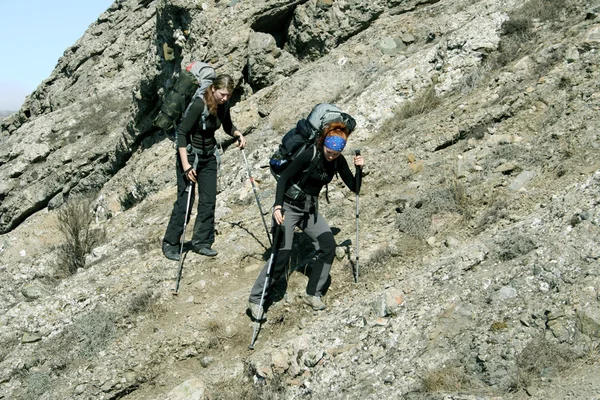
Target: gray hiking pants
315 226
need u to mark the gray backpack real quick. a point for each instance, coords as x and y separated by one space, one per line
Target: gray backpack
191 83
302 137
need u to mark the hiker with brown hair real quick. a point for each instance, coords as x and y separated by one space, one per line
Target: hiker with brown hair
311 170
197 162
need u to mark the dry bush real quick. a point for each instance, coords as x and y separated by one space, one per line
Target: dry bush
74 222
378 262
422 104
143 303
518 35
544 10
463 202
216 334
513 246
541 357
37 383
94 331
450 379
490 216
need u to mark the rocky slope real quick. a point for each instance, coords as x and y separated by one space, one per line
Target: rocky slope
479 219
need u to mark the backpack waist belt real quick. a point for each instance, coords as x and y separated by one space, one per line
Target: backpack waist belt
202 152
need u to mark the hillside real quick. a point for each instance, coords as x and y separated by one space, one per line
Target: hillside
478 218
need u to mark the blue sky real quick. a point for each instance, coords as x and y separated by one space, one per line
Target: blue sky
34 34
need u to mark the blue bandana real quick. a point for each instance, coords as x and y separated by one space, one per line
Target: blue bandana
335 143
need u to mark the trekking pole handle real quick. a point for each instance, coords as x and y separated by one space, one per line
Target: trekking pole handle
357 152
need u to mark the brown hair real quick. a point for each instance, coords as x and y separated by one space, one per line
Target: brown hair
222 81
333 129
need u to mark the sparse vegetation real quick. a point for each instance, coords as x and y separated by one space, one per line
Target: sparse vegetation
461 198
514 246
422 104
94 331
141 303
37 383
499 326
378 261
518 33
541 357
216 334
75 223
491 215
450 379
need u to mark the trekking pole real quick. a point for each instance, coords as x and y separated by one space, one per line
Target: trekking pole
274 249
358 171
189 189
262 215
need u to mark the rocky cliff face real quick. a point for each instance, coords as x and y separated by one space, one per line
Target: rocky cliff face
479 219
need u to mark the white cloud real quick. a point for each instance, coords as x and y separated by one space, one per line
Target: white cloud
12 96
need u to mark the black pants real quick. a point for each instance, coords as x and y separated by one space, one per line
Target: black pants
204 227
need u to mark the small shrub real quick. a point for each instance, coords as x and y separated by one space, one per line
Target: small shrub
378 261
518 36
414 222
473 79
37 383
216 333
422 104
499 326
492 215
544 10
74 222
542 357
94 331
449 379
514 246
461 198
141 303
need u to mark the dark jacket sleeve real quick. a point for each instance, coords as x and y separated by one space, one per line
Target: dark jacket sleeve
192 115
347 176
228 125
300 163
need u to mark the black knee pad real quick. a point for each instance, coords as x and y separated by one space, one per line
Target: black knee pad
326 246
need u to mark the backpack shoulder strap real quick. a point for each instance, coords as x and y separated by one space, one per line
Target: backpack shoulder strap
313 163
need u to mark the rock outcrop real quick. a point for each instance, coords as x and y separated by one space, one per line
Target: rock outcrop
479 221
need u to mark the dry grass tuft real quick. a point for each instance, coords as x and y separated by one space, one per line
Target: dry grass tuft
450 379
542 358
75 223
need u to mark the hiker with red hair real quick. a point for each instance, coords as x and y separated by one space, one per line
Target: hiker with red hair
311 169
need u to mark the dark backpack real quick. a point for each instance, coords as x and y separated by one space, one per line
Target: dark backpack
303 136
191 83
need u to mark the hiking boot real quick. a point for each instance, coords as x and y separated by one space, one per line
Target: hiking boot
256 310
314 301
205 251
171 251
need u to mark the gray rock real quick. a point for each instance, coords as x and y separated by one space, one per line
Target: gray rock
521 180
34 291
192 389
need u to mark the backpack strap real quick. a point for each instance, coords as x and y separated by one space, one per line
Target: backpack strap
313 163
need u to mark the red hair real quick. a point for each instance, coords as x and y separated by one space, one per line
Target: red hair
333 129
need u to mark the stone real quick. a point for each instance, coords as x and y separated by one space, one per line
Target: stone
521 180
192 389
30 338
280 362
33 291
